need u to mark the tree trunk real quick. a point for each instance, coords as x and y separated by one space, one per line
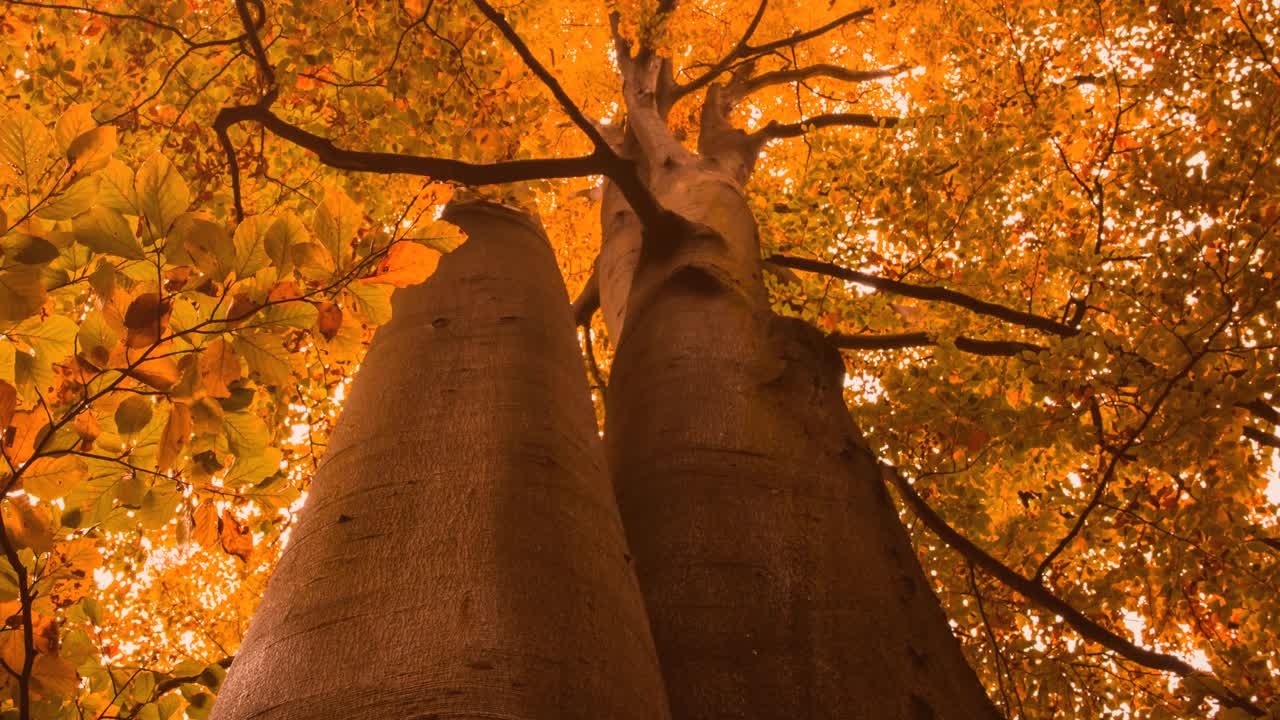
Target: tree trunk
779 581
460 554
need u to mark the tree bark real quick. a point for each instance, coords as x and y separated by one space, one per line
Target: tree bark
460 554
779 581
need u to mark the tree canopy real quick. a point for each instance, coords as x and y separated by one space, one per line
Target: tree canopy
1044 235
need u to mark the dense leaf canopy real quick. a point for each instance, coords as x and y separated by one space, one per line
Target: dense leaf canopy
1045 234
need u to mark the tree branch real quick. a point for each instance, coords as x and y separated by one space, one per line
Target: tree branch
924 292
1262 410
797 38
621 170
539 70
781 77
388 163
602 161
898 341
587 303
150 22
789 130
1262 438
1040 595
716 70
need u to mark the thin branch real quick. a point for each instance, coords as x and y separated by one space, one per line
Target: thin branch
1262 438
251 28
782 77
588 338
1257 42
566 103
1040 595
388 163
130 17
621 170
1262 410
797 38
23 697
720 67
1120 453
898 341
776 129
924 292
587 303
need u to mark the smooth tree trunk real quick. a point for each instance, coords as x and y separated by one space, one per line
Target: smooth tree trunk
779 581
460 553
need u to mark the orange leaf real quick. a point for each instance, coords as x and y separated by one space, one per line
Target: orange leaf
8 401
330 320
205 532
236 539
219 366
407 263
146 319
176 433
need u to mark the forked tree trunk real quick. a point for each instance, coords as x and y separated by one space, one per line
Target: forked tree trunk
779 581
460 554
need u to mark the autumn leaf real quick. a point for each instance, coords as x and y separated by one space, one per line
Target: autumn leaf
146 319
25 143
335 224
406 263
132 414
329 320
21 292
236 539
8 402
206 531
105 230
372 300
50 478
92 149
28 525
175 437
219 367
162 193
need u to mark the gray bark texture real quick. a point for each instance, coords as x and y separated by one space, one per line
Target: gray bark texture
460 553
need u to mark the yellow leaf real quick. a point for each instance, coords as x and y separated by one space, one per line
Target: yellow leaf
407 263
206 532
50 478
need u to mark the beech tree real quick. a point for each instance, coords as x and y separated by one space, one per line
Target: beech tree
924 363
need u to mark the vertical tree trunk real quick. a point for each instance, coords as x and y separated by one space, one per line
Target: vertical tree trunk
779 581
460 554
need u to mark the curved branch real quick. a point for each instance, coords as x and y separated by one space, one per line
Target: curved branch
621 171
1040 595
1262 410
789 130
1262 438
781 77
797 38
587 303
150 22
924 292
1122 452
724 64
898 341
566 103
388 163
